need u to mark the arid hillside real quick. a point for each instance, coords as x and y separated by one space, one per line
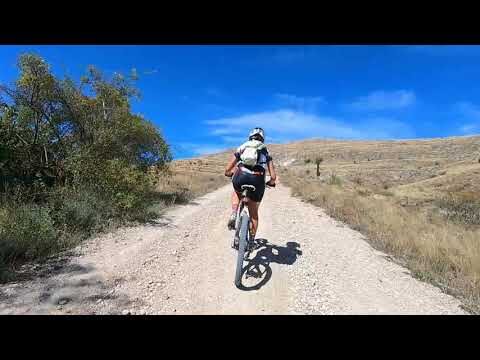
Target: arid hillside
418 200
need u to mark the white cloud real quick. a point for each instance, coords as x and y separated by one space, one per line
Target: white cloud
285 55
384 100
470 114
288 125
201 149
308 103
468 110
233 139
469 128
150 72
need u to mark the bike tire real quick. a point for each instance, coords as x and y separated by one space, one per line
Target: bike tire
242 245
237 220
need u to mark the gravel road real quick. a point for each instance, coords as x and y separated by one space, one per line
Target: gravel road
308 263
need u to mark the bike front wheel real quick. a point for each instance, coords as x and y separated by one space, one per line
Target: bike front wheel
242 245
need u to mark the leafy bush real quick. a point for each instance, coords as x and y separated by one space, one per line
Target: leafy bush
26 232
79 211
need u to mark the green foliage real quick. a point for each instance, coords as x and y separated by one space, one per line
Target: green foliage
50 124
79 211
308 161
73 155
334 180
26 232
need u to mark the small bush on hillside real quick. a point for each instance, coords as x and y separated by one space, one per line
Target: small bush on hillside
308 161
307 172
79 211
334 180
358 180
26 232
460 210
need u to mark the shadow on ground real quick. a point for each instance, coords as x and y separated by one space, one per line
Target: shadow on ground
59 285
258 267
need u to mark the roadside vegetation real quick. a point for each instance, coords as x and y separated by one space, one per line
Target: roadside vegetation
439 240
76 160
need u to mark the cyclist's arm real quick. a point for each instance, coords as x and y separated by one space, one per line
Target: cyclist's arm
231 164
271 171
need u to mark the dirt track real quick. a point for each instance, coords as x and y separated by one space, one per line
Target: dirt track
311 264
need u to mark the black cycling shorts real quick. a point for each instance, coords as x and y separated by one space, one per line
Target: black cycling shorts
243 178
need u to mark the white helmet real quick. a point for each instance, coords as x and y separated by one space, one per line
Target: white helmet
257 131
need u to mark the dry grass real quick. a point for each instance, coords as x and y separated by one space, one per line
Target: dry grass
183 187
188 179
441 252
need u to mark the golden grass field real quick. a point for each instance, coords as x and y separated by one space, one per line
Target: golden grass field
418 200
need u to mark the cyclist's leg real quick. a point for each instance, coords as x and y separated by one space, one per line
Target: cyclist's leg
253 211
256 198
235 199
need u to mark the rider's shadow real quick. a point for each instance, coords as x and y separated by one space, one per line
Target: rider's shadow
259 266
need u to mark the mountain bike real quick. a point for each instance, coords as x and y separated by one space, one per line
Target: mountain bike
242 240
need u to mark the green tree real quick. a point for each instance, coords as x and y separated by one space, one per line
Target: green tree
55 131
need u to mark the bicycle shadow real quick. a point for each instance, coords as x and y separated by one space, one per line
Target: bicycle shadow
266 254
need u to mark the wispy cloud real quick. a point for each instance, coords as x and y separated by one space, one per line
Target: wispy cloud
470 115
468 110
384 100
233 140
288 125
201 149
302 103
469 128
150 72
286 55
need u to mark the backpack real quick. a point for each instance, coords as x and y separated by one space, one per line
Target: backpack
249 155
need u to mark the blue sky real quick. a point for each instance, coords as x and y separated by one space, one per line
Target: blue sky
206 98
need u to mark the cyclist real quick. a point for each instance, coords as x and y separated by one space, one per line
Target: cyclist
248 166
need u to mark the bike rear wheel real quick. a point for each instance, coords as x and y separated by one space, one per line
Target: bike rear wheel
244 225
